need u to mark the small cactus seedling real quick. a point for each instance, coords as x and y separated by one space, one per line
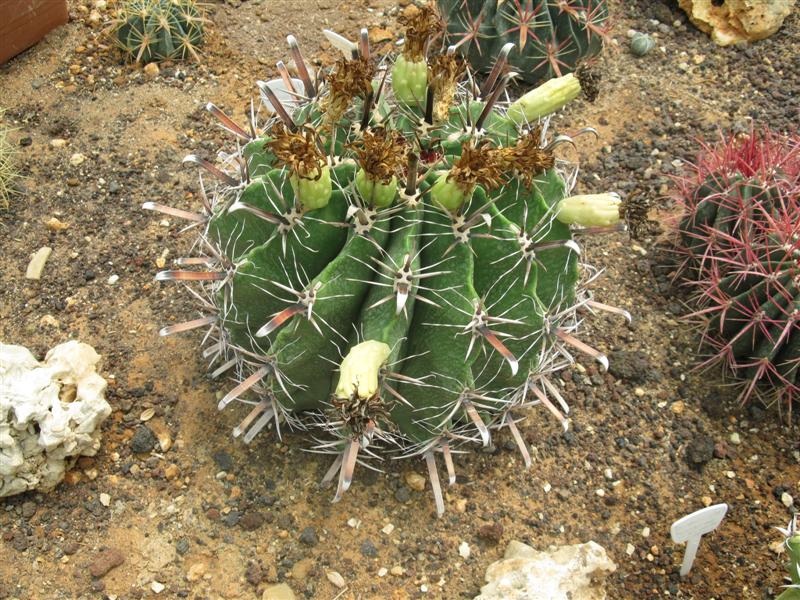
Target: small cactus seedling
8 167
543 38
740 238
792 545
154 30
390 259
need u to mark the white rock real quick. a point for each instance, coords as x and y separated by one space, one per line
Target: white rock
36 264
77 159
113 279
335 578
105 499
157 587
463 550
42 435
574 572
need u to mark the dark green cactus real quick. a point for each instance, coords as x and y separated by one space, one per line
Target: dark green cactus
545 38
155 30
393 261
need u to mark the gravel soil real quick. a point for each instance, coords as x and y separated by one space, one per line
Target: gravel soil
188 512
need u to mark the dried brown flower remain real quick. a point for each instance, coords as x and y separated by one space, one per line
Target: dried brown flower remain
479 164
420 26
380 153
349 79
527 158
298 151
444 70
357 413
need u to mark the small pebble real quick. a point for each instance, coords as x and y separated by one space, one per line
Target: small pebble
335 578
157 587
105 499
646 532
736 439
464 550
415 481
787 499
77 159
388 529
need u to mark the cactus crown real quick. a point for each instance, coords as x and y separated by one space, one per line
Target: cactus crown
155 30
545 38
399 276
740 239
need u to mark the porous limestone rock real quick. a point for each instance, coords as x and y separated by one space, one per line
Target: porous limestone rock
50 414
574 572
737 20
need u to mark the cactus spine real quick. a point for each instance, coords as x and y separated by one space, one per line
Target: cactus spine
550 37
154 30
394 267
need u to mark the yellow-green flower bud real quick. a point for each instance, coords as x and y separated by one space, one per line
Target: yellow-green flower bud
313 193
447 193
359 371
375 193
545 99
593 210
410 81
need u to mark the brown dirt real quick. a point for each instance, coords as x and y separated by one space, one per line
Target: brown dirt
182 517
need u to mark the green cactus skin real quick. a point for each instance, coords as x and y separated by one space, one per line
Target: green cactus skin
550 37
453 288
155 30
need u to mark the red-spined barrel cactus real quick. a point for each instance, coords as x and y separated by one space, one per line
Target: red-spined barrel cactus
392 262
544 38
740 237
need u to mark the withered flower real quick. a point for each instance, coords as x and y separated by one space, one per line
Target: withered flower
298 151
349 79
479 164
635 211
444 70
527 158
380 153
420 26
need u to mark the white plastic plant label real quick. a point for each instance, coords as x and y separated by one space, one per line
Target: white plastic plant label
692 527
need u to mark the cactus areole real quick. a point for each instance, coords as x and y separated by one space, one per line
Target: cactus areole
542 38
384 259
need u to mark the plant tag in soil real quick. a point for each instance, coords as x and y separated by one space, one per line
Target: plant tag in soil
692 527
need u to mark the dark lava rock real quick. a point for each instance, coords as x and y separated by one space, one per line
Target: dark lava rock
251 521
182 546
232 518
368 549
491 533
713 405
629 365
699 451
309 536
143 440
223 459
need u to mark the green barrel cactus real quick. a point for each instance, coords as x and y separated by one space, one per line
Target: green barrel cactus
393 262
155 30
792 545
543 38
